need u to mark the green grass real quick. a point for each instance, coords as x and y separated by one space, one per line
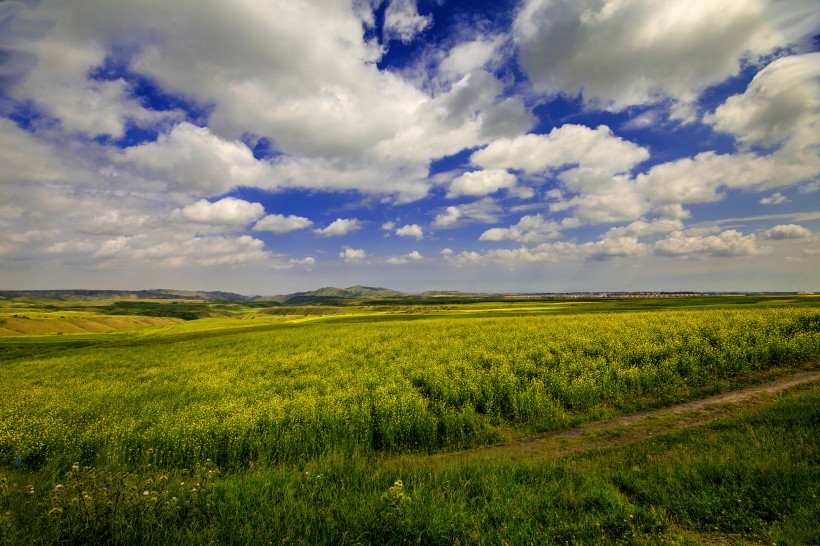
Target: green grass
290 392
240 430
753 476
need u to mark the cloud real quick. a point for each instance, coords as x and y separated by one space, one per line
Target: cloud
18 41
51 163
596 185
414 256
278 223
334 119
50 65
521 192
478 183
78 246
555 252
597 150
620 247
112 247
411 230
602 200
403 22
38 215
726 243
621 244
650 119
16 243
331 102
311 103
471 113
228 211
113 222
210 251
776 198
619 53
191 158
642 228
342 117
788 216
810 187
782 101
407 181
352 254
701 178
786 231
530 229
59 85
469 56
484 211
448 217
339 227
183 251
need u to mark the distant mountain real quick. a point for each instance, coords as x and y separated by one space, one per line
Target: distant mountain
329 294
357 291
95 295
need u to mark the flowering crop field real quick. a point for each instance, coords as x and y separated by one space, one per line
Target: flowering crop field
293 392
314 427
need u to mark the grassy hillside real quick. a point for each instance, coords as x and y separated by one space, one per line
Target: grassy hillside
66 324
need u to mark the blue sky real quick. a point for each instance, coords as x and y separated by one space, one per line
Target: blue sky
266 147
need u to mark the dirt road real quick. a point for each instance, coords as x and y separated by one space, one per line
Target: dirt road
634 427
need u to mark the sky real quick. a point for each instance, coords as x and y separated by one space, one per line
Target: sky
272 146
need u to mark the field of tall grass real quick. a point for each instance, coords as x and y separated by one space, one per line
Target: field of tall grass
294 393
192 430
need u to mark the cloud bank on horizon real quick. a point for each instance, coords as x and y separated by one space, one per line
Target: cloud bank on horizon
531 145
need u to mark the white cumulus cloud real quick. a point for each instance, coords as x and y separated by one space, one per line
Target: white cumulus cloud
597 150
478 183
413 256
783 100
786 231
339 227
228 211
352 254
279 223
183 251
726 243
530 229
642 228
336 119
776 198
620 53
191 158
410 230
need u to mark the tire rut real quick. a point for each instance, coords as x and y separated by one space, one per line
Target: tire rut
634 427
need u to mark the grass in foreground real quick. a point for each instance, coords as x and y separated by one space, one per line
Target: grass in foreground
289 432
753 477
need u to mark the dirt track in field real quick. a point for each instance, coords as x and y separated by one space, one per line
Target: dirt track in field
637 426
